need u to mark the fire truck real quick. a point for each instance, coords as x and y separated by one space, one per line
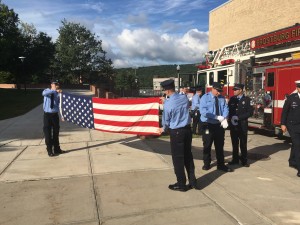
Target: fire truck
268 65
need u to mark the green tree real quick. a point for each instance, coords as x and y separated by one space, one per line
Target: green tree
10 38
39 51
125 81
79 55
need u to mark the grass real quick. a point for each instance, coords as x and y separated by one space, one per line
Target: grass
18 102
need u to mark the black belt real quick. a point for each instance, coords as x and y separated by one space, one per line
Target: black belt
50 113
185 127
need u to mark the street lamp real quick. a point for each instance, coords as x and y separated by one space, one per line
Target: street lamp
135 77
178 76
22 58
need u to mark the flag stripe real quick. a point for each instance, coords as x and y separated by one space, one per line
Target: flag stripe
125 101
133 130
126 118
126 124
127 107
126 113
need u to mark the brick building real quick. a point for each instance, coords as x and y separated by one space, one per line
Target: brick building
238 20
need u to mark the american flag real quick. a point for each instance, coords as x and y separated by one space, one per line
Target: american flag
131 116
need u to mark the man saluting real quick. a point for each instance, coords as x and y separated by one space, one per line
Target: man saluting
51 118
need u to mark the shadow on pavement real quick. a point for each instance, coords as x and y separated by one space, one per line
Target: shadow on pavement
102 144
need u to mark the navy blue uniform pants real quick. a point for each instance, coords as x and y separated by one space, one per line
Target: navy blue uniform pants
213 133
239 136
181 148
294 131
51 130
196 122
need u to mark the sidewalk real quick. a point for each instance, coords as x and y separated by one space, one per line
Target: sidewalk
115 179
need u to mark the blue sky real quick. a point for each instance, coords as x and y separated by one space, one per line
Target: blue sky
135 33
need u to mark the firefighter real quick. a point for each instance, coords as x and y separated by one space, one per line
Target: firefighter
176 119
240 110
290 121
51 118
214 113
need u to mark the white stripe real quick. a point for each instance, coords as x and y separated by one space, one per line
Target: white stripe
127 107
124 129
279 103
268 110
127 118
60 106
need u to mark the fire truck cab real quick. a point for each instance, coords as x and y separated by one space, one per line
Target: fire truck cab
268 65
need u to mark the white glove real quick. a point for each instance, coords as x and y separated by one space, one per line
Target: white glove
220 118
234 120
224 124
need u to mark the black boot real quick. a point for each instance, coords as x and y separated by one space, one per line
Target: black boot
49 150
57 150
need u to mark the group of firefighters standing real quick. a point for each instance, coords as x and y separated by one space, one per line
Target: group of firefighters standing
215 114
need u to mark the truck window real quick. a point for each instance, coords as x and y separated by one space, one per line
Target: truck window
270 79
201 79
222 76
211 78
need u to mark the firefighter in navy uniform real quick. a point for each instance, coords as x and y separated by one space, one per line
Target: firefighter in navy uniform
290 121
176 119
240 110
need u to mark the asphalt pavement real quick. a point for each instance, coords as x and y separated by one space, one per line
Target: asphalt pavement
114 179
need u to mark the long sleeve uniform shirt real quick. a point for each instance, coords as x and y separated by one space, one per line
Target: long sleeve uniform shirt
47 101
208 109
240 106
176 112
196 102
291 110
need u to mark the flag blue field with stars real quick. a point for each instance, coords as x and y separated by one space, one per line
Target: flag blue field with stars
78 110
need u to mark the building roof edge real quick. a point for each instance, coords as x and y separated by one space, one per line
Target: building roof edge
220 6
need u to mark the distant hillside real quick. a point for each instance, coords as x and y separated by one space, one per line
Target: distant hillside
146 74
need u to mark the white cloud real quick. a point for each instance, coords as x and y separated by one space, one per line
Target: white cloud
146 45
134 33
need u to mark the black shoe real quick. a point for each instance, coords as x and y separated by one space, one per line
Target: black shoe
224 168
233 163
245 164
193 186
50 154
206 167
298 174
176 187
58 151
293 166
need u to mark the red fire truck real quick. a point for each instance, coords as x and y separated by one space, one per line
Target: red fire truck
268 65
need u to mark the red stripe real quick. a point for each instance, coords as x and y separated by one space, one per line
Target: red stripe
126 101
126 113
127 124
130 132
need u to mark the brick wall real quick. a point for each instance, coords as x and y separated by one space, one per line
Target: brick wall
238 20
